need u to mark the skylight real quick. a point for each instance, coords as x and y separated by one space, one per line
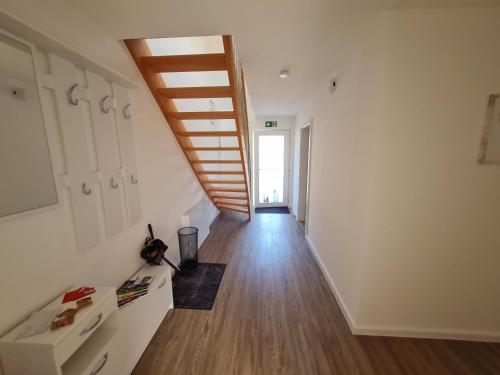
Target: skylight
186 46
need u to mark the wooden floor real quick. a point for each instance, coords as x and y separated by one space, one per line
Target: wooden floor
275 314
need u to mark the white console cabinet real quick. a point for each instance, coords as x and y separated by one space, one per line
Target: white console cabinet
140 320
80 348
102 340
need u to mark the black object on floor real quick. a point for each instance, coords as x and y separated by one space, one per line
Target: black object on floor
196 287
188 246
272 210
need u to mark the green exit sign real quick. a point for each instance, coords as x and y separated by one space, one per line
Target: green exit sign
271 124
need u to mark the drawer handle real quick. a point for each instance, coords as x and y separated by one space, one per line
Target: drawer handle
162 284
101 365
87 330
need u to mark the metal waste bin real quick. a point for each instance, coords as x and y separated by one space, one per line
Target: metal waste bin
188 246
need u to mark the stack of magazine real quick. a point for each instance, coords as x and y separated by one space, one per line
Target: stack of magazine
133 289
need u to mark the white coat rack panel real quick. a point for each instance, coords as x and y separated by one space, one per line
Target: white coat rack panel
109 162
99 158
81 181
126 137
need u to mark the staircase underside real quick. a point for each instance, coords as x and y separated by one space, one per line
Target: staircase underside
222 174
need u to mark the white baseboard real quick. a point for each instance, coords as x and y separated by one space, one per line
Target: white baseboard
423 333
411 332
171 305
338 296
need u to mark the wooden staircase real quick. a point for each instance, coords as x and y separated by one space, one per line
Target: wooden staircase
228 189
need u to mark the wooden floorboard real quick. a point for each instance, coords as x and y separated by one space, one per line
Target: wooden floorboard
275 314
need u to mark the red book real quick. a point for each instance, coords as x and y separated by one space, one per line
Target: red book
74 295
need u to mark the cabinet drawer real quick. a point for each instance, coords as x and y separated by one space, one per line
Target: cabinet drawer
84 328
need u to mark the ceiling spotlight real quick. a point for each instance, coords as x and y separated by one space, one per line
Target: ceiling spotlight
284 73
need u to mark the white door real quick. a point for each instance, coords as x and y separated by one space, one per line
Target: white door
272 168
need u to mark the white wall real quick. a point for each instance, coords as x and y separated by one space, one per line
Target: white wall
341 148
403 218
434 220
40 258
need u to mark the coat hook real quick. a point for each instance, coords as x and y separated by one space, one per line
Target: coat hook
72 100
133 179
85 190
112 183
126 113
104 108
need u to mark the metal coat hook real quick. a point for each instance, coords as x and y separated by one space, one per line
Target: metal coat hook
85 190
112 183
72 100
126 113
104 108
133 179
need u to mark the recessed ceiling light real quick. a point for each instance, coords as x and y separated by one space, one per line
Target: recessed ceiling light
284 73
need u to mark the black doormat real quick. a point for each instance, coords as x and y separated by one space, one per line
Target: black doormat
196 287
272 210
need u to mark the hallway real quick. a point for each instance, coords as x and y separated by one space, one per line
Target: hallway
275 314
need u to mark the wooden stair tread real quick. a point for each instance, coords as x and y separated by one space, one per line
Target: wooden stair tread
222 182
232 204
195 92
211 115
201 161
194 148
227 190
219 172
186 63
152 67
231 198
208 134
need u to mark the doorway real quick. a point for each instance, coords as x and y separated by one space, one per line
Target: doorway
272 161
304 168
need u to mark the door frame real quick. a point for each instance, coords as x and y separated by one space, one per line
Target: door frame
286 167
303 197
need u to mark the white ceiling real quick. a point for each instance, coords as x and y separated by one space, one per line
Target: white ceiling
307 36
